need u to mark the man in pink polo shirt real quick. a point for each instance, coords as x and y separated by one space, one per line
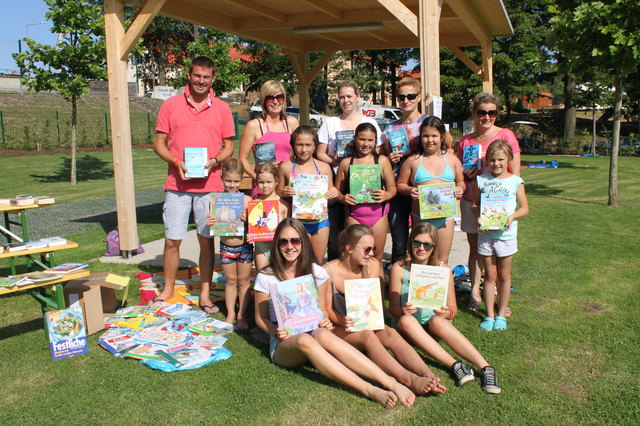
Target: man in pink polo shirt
194 118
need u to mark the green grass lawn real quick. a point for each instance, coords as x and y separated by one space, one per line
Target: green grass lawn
568 357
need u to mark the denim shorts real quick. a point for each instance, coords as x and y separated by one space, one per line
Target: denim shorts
177 208
232 254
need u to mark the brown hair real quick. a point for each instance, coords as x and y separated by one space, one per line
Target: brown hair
352 236
484 98
269 168
436 123
421 228
349 83
268 88
304 130
409 81
204 62
232 165
499 145
304 263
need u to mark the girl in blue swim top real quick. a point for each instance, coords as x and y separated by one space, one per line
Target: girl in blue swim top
432 164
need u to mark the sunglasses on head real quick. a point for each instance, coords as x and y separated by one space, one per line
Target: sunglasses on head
427 245
368 249
490 113
271 98
283 242
410 96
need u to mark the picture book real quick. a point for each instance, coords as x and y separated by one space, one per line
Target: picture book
195 160
212 342
364 179
428 286
296 304
67 335
472 157
494 211
140 322
399 141
210 327
119 340
263 218
147 351
265 153
54 241
158 336
364 303
310 201
438 200
36 277
185 355
344 143
66 268
10 281
227 207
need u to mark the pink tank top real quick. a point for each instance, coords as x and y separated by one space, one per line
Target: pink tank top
281 141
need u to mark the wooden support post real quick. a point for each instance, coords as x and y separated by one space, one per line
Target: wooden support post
487 66
120 125
429 37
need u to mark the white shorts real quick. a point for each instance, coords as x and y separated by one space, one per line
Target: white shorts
499 248
177 208
469 221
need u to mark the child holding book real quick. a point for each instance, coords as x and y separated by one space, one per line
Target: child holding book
418 324
292 257
304 141
356 245
267 179
496 248
374 215
236 254
432 164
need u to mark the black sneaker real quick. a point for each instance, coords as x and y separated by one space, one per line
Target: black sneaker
489 381
462 373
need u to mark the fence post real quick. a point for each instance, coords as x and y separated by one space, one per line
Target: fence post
235 124
106 129
149 127
58 129
4 143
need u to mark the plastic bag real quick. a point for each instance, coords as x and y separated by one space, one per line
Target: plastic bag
113 245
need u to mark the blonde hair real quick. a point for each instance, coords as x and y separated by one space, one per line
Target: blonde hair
232 165
349 83
421 228
484 98
269 168
269 88
409 81
351 236
499 145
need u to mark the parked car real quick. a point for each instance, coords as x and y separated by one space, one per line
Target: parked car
315 118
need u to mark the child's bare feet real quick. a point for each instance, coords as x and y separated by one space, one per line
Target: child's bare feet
405 396
436 386
242 324
385 398
421 385
230 319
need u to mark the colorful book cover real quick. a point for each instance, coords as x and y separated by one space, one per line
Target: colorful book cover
438 200
118 341
344 143
399 141
10 281
210 327
227 208
140 322
265 153
428 286
159 336
310 201
494 211
296 304
263 218
66 268
67 335
187 355
472 157
195 160
364 303
145 352
364 179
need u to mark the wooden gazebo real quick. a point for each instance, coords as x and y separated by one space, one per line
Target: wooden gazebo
301 26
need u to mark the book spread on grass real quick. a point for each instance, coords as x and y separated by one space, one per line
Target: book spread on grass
428 286
494 211
44 200
227 207
438 200
67 335
186 355
364 179
263 219
364 303
140 322
54 241
34 245
119 341
14 246
158 336
66 268
195 160
296 304
210 327
399 141
344 143
310 201
145 351
265 153
472 157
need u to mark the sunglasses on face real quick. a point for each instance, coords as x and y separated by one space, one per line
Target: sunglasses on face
283 242
368 249
427 246
410 96
490 113
271 98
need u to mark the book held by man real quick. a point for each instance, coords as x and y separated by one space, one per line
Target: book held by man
263 219
364 303
494 211
428 286
67 335
364 180
296 304
310 200
438 200
195 160
227 207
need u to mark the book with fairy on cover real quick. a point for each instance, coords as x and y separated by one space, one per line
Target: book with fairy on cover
195 160
399 141
265 153
227 208
67 335
472 157
438 200
364 179
494 211
296 304
364 303
344 143
310 200
428 286
263 219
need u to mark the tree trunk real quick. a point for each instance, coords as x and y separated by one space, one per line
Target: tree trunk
615 143
74 138
593 138
569 110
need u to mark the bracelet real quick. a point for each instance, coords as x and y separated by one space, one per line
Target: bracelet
451 315
175 163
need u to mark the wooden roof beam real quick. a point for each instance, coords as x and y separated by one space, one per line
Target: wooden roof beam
378 36
324 7
260 9
138 26
467 15
402 13
331 37
201 16
459 53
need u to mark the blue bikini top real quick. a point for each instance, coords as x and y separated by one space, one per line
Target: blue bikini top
422 175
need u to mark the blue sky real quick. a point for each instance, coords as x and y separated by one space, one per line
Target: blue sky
14 18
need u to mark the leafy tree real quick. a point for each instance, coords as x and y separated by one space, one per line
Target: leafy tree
266 62
78 58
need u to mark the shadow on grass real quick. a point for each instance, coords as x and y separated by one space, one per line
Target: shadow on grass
88 167
536 189
17 329
563 165
149 214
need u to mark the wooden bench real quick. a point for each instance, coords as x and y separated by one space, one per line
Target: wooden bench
47 255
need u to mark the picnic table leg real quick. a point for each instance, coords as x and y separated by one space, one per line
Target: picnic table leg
25 235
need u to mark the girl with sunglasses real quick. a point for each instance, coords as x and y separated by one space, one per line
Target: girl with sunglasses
273 126
484 110
419 325
291 257
357 260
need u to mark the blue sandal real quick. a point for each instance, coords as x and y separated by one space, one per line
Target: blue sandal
500 323
487 324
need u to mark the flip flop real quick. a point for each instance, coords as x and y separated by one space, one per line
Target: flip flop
487 324
209 309
154 301
474 303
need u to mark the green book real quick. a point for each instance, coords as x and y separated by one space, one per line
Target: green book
364 179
